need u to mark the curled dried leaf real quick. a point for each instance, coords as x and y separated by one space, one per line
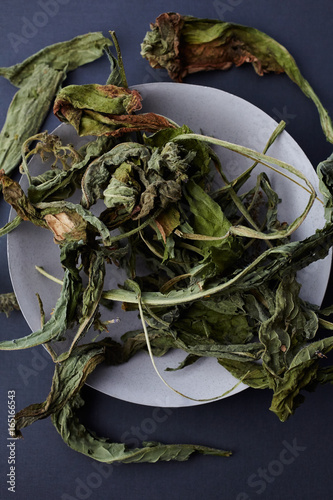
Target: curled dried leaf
60 224
186 44
105 110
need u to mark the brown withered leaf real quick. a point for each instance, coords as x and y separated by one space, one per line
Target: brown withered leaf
109 99
118 125
63 224
186 44
15 196
105 110
191 44
167 221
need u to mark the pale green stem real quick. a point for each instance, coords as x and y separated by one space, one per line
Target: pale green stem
160 376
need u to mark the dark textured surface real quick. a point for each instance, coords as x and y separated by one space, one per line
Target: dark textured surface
271 460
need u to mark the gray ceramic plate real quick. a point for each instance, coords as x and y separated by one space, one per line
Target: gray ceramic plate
215 113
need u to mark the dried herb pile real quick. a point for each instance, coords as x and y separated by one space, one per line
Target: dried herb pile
222 277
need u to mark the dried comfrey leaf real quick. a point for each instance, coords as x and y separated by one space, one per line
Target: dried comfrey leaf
84 441
61 319
8 303
64 400
59 184
186 44
39 78
105 110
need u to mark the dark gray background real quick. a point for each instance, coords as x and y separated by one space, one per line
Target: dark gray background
45 466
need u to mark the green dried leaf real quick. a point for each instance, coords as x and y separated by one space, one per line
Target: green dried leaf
8 303
284 328
209 220
63 402
82 440
195 345
110 99
267 161
123 189
10 226
91 297
67 55
251 373
185 44
104 110
39 78
203 154
68 379
56 327
27 112
223 326
188 361
98 174
301 373
198 346
158 194
325 375
56 184
169 160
